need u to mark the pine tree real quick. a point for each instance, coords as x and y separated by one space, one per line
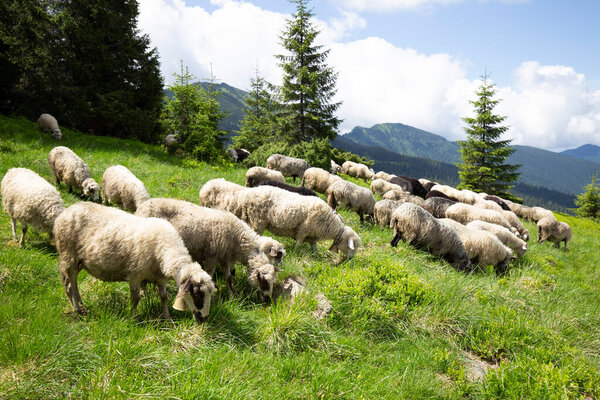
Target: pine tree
483 167
308 83
589 201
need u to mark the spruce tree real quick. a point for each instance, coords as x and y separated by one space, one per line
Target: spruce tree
308 83
483 167
589 201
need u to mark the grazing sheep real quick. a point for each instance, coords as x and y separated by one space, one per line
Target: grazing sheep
429 185
520 210
288 166
122 188
518 246
437 193
487 204
218 237
403 197
513 220
382 212
352 196
294 189
424 181
318 179
238 155
403 183
417 187
537 213
464 196
383 175
498 200
381 186
465 213
31 200
335 168
170 140
437 206
483 247
417 227
357 170
256 175
49 124
303 218
70 168
218 193
113 245
550 229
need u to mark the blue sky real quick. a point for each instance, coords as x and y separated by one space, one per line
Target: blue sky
412 61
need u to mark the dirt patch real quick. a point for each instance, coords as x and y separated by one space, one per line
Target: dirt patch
476 368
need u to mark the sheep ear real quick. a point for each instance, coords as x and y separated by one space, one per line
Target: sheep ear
273 252
351 244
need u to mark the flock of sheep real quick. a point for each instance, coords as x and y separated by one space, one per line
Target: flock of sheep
174 239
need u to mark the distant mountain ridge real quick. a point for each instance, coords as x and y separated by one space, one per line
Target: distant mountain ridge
589 152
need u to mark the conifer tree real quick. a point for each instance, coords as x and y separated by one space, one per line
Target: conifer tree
308 83
589 201
483 167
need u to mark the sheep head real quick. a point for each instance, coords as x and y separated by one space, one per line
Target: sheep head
195 294
91 189
263 278
348 243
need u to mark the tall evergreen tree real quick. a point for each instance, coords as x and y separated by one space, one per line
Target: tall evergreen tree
308 83
588 202
483 167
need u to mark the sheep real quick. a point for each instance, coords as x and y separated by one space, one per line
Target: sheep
294 189
520 210
357 170
382 211
513 220
403 183
498 200
417 188
318 179
31 200
352 196
381 186
537 213
218 237
256 175
429 185
437 193
465 213
216 192
238 155
464 196
417 227
383 175
487 204
518 246
550 229
170 140
70 168
113 245
403 197
335 168
287 214
483 247
49 124
424 182
288 166
122 188
437 206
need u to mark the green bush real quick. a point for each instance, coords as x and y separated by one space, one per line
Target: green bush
339 156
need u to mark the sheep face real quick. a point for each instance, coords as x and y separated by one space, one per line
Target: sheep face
196 297
57 134
91 189
347 244
273 249
263 278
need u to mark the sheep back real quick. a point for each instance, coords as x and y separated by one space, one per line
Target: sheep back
288 166
122 188
49 124
69 168
256 175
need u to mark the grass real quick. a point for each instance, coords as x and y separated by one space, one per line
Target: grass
404 324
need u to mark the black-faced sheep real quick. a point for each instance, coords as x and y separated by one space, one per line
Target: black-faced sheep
256 175
418 228
69 168
113 245
347 194
318 179
288 166
31 200
122 188
294 189
49 124
550 229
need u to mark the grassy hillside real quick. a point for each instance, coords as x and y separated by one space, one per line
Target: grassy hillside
404 324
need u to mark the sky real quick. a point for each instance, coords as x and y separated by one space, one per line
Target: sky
417 62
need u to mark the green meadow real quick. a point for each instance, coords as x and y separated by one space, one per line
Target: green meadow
404 324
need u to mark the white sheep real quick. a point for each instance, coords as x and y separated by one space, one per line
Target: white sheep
122 188
403 197
465 213
464 196
113 245
335 168
303 218
537 213
219 237
256 175
487 204
357 170
381 186
69 168
383 175
31 200
382 212
518 246
483 247
318 179
550 229
513 220
520 210
418 228
288 166
170 140
49 124
347 194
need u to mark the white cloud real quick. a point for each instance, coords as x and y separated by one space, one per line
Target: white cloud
389 5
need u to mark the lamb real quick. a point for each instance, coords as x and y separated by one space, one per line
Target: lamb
357 170
318 179
437 206
256 175
294 189
417 227
352 196
403 183
287 214
218 237
550 229
113 245
335 168
122 188
49 124
382 211
381 186
403 197
518 246
483 247
513 220
288 166
70 168
31 200
465 213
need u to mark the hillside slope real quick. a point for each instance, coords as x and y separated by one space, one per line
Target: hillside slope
588 152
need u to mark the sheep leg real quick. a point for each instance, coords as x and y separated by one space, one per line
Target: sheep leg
57 182
313 244
565 245
229 279
69 280
13 225
134 291
164 300
299 240
23 232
